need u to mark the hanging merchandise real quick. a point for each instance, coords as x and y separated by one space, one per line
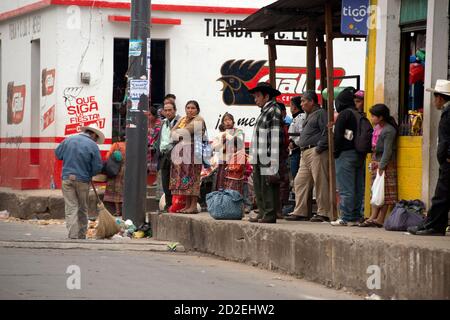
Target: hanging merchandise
416 73
420 54
415 120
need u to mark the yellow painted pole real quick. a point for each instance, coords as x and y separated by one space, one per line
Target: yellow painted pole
369 95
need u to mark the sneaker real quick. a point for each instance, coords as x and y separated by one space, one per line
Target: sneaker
339 222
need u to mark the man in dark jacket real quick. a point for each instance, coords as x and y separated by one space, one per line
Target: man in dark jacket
349 163
313 170
437 219
265 149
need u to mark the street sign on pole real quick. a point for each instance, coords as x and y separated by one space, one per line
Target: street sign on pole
354 15
135 188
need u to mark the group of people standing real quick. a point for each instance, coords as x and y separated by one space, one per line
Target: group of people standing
176 148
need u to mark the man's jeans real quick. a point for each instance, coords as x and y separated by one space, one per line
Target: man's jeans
350 183
76 195
295 163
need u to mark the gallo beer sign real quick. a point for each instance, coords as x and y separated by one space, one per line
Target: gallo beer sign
238 76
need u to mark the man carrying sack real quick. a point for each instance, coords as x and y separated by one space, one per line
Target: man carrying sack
437 217
81 161
265 152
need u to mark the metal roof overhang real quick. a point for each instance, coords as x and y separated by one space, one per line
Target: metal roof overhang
291 15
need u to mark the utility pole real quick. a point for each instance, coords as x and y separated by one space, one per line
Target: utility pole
138 89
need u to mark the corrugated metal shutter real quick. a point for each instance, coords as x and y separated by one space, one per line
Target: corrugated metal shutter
413 11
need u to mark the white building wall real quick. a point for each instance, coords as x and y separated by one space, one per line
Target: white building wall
81 39
16 67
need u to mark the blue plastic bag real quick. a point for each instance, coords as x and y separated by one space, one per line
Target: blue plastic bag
225 205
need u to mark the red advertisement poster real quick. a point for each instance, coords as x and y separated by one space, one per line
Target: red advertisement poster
16 103
48 82
49 117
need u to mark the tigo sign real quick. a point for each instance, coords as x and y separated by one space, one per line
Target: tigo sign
354 17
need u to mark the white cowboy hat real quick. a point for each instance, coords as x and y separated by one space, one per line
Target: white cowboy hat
442 87
94 128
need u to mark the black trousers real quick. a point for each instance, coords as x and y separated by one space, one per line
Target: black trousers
267 195
165 164
437 217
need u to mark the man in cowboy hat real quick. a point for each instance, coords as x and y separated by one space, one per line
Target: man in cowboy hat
81 161
437 217
265 153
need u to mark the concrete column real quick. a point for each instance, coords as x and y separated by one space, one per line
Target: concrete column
388 53
436 66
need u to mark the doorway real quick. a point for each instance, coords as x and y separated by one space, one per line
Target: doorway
158 80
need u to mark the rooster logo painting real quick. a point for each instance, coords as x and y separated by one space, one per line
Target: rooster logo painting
240 75
235 75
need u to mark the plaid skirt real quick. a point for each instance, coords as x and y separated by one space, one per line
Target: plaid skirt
114 187
390 181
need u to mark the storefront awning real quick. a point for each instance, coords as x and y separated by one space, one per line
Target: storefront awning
290 15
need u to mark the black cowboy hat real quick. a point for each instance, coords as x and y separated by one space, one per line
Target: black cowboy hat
265 87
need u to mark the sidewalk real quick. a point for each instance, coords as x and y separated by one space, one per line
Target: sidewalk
409 267
38 235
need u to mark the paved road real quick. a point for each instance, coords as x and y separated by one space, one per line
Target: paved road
41 274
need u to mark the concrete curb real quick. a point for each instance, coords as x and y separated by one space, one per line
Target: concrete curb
126 245
40 204
321 253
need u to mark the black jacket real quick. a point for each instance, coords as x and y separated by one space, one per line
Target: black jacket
443 149
346 120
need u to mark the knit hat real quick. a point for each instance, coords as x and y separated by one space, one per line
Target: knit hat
345 99
359 94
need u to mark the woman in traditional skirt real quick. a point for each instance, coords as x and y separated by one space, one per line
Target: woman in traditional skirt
235 170
114 186
225 144
384 141
186 165
154 130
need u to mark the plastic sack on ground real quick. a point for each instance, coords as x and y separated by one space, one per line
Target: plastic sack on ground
404 215
225 205
378 191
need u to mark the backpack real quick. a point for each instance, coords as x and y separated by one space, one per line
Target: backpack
113 165
363 135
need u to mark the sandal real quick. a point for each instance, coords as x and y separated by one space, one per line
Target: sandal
190 212
370 224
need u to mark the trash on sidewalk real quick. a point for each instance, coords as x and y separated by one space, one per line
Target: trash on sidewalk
4 214
138 234
172 246
146 228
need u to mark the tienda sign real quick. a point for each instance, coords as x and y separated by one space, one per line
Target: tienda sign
238 76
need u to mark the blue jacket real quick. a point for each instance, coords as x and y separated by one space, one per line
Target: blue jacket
81 157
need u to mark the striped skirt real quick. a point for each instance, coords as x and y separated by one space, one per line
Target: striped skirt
390 181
